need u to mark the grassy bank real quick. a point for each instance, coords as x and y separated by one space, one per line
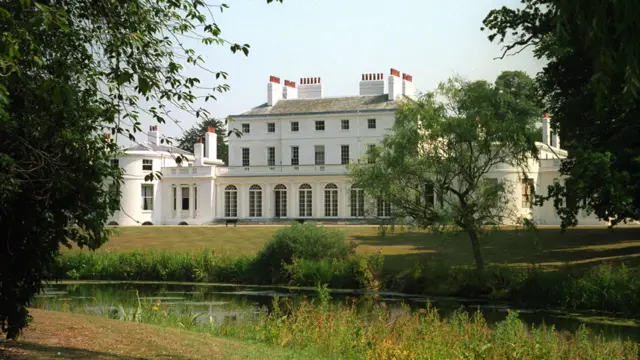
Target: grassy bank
327 330
613 288
57 335
307 255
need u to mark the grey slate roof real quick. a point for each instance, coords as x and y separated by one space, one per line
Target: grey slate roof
349 104
158 148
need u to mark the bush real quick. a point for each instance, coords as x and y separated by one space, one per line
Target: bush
299 241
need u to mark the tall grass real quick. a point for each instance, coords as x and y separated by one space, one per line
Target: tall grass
338 331
603 288
352 272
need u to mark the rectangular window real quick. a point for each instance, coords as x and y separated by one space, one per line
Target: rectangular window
319 125
115 163
344 154
429 195
371 153
295 153
344 124
331 202
246 129
271 156
245 156
195 198
305 208
113 189
319 154
384 208
231 202
371 123
185 198
147 196
357 202
271 127
295 126
147 165
527 191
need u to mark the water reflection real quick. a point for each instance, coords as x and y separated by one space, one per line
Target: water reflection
224 303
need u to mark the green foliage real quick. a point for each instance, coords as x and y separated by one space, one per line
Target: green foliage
604 288
191 136
69 71
445 145
335 331
591 86
302 242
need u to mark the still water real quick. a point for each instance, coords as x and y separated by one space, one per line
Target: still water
224 302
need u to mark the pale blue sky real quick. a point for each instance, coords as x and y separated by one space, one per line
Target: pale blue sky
338 40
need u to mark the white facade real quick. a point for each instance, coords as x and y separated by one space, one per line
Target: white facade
290 162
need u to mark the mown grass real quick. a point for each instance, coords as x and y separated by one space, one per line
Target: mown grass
586 246
343 331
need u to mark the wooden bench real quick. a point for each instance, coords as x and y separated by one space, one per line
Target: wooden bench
231 221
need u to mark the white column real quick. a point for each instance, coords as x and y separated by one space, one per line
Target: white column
267 206
319 199
190 201
292 200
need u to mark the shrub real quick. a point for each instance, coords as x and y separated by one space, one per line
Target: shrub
299 241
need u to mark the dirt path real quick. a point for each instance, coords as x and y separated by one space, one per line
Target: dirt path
54 335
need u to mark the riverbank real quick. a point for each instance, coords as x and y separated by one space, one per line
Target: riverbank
306 331
607 288
79 337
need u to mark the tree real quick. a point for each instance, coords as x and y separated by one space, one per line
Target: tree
435 168
591 86
69 71
191 136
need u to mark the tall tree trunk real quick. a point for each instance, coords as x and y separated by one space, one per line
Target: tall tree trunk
475 245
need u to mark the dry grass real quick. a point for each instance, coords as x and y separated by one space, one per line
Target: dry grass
72 336
586 245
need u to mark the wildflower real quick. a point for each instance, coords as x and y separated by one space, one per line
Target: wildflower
155 308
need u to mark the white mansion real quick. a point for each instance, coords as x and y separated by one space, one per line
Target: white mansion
290 162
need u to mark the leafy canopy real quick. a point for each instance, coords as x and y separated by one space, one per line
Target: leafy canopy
591 86
69 71
446 145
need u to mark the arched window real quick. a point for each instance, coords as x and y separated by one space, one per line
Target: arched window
280 192
357 202
231 201
331 200
306 202
255 201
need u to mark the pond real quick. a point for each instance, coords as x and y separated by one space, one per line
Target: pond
236 302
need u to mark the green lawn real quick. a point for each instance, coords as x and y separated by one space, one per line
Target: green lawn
585 245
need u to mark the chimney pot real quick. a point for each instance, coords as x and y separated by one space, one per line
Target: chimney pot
546 115
395 72
211 129
107 136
